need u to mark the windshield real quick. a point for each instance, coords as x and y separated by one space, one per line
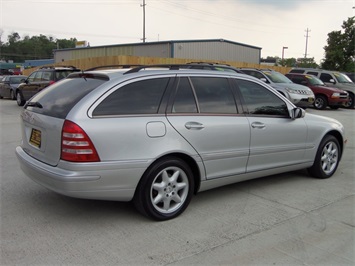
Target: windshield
276 77
342 78
314 81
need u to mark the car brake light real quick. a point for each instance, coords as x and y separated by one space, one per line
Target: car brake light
76 144
51 82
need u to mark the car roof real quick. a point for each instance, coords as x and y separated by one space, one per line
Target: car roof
143 70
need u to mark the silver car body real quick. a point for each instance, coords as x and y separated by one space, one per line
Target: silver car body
225 149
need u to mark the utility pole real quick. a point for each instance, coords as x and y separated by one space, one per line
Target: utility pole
307 36
143 20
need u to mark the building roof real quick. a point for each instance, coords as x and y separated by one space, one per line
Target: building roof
165 42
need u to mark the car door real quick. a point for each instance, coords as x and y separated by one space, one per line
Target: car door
276 139
204 112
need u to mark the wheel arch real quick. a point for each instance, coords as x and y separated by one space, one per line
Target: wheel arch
187 159
340 139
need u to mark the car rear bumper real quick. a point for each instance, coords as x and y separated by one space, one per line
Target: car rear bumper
89 180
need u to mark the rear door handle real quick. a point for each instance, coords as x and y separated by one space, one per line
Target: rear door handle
258 125
194 125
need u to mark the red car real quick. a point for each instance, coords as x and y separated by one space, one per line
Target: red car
324 95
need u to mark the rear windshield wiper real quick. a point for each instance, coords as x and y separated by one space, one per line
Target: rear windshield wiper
34 104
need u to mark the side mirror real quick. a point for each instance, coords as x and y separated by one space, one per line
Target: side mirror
22 80
332 81
298 113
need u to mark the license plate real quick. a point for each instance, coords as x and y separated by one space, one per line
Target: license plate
35 138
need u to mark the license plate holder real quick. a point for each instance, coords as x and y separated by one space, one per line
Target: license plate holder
36 138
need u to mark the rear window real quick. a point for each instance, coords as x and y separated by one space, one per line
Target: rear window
58 99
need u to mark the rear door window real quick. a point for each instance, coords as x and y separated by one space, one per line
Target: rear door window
214 95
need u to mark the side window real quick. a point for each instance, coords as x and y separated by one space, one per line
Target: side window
312 73
31 77
46 76
184 99
298 80
261 101
141 97
38 76
214 95
325 77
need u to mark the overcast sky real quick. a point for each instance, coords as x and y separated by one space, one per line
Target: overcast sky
268 24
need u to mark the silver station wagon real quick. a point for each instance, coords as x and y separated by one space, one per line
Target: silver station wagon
158 135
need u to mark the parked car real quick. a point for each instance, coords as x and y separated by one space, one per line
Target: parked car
324 95
40 79
158 136
299 95
9 84
333 79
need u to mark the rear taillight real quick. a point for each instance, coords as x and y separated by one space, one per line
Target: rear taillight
51 82
76 144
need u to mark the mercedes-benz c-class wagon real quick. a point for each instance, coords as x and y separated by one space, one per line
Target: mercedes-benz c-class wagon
158 135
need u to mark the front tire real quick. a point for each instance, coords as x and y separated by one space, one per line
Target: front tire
20 101
350 103
327 158
320 102
165 190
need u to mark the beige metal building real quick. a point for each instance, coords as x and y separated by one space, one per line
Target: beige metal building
210 49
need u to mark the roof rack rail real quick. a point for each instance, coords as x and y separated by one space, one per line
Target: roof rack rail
207 63
54 66
169 66
111 66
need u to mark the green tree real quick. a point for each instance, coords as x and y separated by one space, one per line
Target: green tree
35 47
340 50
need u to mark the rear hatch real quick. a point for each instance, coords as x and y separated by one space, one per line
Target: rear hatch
43 117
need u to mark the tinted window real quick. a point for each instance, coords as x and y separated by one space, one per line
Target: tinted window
297 71
214 95
298 80
254 74
58 99
312 73
32 77
184 100
325 77
141 97
261 101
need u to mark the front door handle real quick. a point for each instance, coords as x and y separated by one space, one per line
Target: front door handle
194 125
258 125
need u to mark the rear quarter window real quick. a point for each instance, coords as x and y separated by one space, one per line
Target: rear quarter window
140 97
58 99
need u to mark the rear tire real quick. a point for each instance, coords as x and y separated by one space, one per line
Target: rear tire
327 158
165 190
20 101
12 95
320 102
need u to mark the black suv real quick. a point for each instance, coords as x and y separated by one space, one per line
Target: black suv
40 79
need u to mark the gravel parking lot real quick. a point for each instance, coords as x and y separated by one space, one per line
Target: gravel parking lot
287 219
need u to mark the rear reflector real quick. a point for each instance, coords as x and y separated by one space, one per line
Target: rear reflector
76 144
